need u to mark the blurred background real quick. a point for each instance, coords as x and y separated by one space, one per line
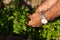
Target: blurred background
14 19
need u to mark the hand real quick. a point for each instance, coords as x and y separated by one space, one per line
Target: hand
35 19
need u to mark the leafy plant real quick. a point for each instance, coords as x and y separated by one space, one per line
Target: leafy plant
49 31
15 19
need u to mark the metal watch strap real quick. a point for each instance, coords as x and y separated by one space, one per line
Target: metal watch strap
43 18
42 15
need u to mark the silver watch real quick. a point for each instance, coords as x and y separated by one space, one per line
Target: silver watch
43 18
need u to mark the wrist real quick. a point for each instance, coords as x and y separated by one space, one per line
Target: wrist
47 16
38 9
50 16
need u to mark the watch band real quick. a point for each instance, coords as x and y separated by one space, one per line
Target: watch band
43 18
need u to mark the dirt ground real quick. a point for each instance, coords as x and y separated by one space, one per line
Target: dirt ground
31 3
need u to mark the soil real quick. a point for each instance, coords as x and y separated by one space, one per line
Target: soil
30 3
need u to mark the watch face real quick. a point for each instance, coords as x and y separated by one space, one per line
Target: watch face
44 21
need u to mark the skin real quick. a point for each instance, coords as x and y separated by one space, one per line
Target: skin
51 11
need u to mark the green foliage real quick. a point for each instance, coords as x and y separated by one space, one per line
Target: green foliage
15 19
20 19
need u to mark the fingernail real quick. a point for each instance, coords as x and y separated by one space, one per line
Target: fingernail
28 24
